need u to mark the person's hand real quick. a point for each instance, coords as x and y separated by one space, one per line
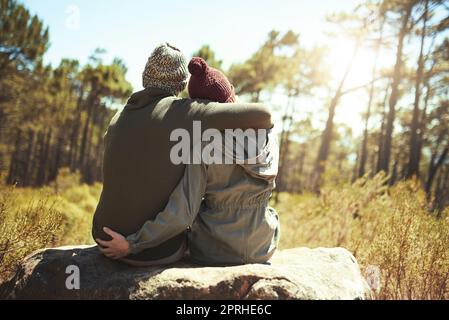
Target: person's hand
117 248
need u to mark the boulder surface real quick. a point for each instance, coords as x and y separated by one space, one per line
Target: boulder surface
81 272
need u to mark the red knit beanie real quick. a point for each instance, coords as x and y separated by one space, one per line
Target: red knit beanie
209 83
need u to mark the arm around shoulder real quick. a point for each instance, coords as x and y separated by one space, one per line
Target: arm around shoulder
223 116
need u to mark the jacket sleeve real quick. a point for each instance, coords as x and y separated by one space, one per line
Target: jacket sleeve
223 116
179 213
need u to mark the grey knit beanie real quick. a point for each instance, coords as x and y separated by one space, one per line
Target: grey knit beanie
166 69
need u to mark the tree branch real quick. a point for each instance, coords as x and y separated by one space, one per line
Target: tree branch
361 86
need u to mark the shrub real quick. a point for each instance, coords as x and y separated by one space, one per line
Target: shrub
31 219
25 227
387 228
390 228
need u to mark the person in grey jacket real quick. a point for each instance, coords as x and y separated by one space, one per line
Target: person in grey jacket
138 173
222 207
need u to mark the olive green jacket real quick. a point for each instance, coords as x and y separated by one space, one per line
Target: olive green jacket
225 207
138 174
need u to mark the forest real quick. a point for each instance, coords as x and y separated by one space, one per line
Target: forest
406 118
53 118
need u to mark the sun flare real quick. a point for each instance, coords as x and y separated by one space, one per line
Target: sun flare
360 75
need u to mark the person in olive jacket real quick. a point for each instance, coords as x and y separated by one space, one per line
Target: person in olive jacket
138 174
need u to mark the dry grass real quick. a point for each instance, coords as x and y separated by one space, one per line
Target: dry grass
32 219
389 228
24 228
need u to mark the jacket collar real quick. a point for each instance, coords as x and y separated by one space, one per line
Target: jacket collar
143 98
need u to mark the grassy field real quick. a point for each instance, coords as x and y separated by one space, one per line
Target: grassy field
56 215
389 229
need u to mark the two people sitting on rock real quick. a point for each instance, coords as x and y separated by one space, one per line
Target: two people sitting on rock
153 209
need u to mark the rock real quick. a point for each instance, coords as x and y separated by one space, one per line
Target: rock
300 273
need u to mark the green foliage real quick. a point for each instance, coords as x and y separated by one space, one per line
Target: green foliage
23 38
51 117
106 81
61 119
266 68
209 56
305 71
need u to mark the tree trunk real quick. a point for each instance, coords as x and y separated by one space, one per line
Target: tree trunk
414 150
283 146
382 130
442 191
87 170
91 101
38 150
57 159
423 120
73 148
394 173
29 159
373 163
83 147
2 120
12 172
74 135
42 173
394 97
98 161
433 168
326 136
301 162
422 126
364 149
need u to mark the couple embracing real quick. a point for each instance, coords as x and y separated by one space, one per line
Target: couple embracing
154 210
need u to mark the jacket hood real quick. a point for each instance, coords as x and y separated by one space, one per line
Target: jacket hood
145 97
266 161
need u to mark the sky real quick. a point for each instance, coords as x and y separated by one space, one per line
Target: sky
234 29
